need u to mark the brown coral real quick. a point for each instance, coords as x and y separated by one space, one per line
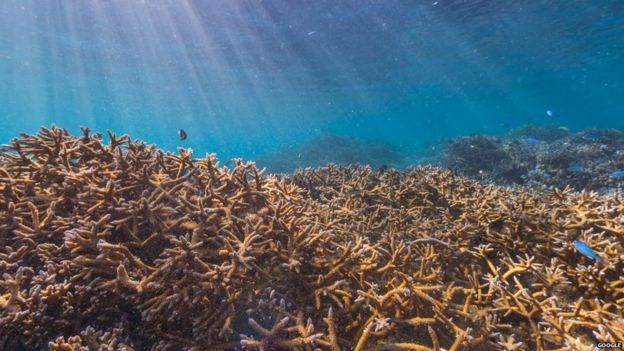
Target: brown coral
123 244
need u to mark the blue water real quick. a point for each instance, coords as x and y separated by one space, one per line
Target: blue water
245 78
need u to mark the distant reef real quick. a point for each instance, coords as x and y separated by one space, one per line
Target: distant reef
541 156
332 148
122 246
537 156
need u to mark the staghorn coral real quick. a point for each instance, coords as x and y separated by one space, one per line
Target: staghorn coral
120 245
90 339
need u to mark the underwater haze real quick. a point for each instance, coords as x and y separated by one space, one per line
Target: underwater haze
250 78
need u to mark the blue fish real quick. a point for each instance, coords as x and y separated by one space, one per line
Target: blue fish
532 140
592 136
618 173
575 168
585 250
551 113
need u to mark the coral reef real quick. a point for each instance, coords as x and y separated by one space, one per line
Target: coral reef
332 148
122 246
476 153
545 132
532 156
541 156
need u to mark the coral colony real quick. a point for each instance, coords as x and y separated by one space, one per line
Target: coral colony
541 157
118 245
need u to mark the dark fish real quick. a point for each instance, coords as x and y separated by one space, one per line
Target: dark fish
575 168
182 134
585 250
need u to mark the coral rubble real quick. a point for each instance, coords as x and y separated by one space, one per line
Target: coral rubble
122 246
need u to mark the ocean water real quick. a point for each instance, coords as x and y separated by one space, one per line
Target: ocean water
148 254
251 78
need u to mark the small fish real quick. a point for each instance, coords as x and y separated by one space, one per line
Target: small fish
532 140
585 250
618 173
182 134
575 168
592 136
551 113
312 32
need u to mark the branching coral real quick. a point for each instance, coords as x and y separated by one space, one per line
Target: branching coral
122 245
